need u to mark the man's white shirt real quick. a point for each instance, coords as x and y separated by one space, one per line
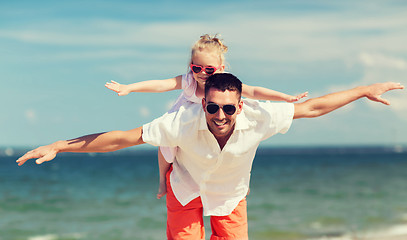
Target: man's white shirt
201 169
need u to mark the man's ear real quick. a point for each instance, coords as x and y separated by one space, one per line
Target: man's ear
240 107
204 104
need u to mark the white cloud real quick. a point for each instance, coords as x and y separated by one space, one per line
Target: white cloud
284 36
101 54
31 116
169 104
100 32
382 61
300 37
398 103
382 68
144 111
9 152
377 67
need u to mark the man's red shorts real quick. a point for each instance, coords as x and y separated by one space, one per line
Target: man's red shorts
186 222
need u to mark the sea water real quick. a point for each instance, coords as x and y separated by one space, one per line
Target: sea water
295 194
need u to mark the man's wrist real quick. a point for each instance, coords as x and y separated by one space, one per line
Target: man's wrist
58 146
362 91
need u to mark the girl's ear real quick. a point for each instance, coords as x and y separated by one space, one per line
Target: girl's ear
222 68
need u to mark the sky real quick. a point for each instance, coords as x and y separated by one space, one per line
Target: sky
56 56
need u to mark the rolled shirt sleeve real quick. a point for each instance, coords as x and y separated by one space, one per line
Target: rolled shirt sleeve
169 129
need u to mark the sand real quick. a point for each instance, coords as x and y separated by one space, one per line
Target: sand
398 232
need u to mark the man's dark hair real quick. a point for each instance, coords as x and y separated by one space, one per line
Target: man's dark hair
223 82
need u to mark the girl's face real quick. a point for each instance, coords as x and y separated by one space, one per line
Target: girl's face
204 59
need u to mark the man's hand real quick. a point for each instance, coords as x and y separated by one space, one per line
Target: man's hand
44 154
375 91
97 142
316 107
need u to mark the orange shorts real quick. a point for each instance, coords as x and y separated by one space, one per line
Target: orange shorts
186 222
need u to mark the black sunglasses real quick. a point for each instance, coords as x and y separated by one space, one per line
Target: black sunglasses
212 108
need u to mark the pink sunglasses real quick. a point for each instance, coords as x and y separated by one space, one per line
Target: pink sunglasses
208 70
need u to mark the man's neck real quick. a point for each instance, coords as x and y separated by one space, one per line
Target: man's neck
223 140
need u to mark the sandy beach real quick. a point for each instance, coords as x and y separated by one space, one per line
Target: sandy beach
398 237
398 232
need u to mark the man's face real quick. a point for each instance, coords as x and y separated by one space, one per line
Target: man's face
220 123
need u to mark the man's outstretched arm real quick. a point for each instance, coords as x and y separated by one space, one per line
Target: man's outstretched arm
100 142
316 107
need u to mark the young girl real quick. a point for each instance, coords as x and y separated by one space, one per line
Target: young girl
207 58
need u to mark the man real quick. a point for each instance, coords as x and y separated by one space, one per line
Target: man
217 141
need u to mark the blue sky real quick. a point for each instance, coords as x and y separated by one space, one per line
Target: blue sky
55 57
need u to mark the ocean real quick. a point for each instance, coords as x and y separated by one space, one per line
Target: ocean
295 194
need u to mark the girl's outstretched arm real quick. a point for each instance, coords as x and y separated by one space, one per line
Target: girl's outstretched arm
261 93
146 86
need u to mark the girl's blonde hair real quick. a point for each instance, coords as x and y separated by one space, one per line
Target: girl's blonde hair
212 43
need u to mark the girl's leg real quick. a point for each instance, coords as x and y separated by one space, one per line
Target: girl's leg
163 167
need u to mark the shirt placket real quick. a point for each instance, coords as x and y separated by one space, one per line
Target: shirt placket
206 176
209 172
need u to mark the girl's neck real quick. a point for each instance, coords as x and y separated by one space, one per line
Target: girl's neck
200 91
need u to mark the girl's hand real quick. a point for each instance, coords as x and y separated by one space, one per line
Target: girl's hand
117 87
298 97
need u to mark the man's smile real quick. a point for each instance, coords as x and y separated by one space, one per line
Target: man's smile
220 123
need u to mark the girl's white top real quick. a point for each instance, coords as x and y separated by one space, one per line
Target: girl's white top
189 86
